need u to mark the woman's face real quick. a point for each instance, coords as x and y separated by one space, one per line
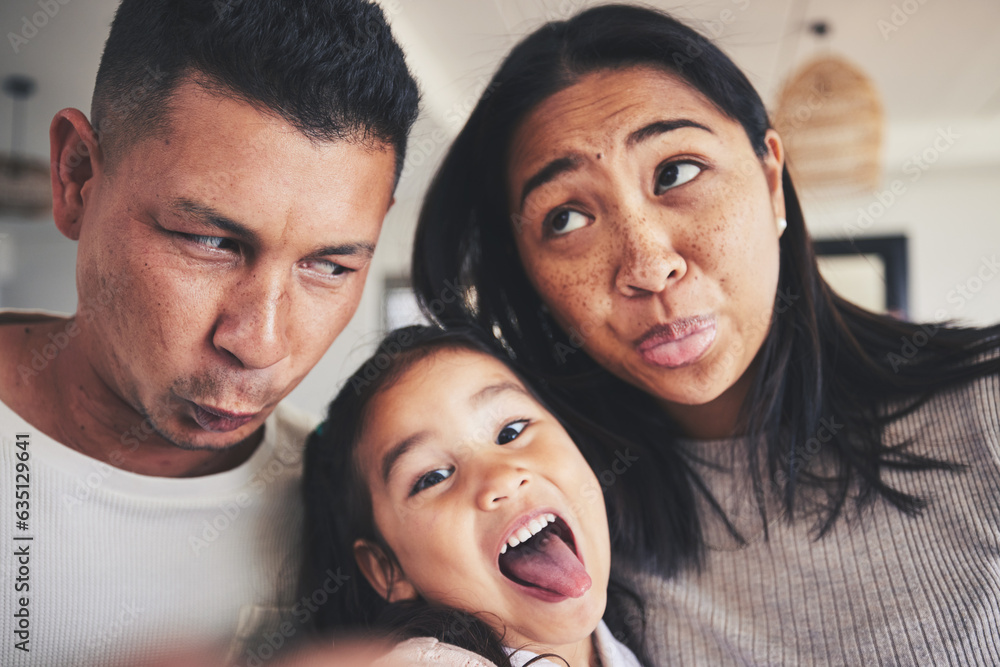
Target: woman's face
649 227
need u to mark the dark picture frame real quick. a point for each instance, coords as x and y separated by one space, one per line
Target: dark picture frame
894 274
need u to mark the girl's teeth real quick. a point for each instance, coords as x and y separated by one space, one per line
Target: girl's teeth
525 533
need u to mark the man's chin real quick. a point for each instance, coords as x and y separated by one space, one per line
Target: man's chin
192 437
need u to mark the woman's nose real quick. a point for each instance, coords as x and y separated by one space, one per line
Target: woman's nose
501 482
647 260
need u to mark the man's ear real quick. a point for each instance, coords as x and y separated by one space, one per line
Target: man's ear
382 572
76 158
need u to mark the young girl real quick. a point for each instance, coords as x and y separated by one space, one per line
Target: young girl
460 510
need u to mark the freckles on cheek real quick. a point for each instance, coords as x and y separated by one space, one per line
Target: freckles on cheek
574 292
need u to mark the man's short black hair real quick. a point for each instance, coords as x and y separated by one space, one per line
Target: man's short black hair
331 68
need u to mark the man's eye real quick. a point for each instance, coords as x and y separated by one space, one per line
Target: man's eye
566 221
214 242
511 431
329 268
674 174
428 480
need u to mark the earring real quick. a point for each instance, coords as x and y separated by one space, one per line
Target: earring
782 226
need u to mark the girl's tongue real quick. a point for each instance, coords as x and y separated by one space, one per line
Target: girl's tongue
548 562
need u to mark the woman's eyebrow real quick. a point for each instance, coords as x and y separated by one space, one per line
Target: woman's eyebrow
661 127
570 163
547 173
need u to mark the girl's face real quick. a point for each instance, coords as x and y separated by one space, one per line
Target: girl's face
649 227
463 464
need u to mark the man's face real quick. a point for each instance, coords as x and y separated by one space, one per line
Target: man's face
218 262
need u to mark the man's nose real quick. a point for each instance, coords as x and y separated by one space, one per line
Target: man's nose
253 321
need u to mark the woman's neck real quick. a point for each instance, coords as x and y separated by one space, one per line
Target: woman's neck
718 418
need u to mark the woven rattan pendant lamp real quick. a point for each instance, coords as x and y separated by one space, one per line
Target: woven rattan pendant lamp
25 189
831 118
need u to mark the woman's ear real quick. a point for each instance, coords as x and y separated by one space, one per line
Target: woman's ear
76 158
383 573
774 164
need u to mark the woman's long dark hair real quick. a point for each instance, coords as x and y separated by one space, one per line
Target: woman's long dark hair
338 511
823 357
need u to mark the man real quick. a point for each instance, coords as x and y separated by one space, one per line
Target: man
226 200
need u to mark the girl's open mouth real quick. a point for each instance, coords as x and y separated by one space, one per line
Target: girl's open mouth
547 561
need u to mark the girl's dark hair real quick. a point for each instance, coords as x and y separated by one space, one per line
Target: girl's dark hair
338 510
823 357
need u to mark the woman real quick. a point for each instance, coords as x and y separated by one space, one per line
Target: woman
798 486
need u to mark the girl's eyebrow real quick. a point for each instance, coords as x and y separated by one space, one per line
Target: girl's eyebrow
398 450
489 391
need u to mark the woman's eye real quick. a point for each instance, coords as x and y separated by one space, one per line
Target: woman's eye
428 480
511 431
566 221
674 174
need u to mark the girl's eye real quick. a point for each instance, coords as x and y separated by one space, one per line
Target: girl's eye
511 431
566 221
674 174
430 479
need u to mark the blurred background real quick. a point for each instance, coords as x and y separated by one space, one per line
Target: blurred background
897 140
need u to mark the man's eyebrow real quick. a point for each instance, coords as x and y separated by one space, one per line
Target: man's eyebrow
547 173
362 248
661 127
210 216
398 450
489 391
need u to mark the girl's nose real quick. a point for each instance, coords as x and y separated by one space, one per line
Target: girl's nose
501 482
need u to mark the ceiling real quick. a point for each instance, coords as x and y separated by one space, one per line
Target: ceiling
936 66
